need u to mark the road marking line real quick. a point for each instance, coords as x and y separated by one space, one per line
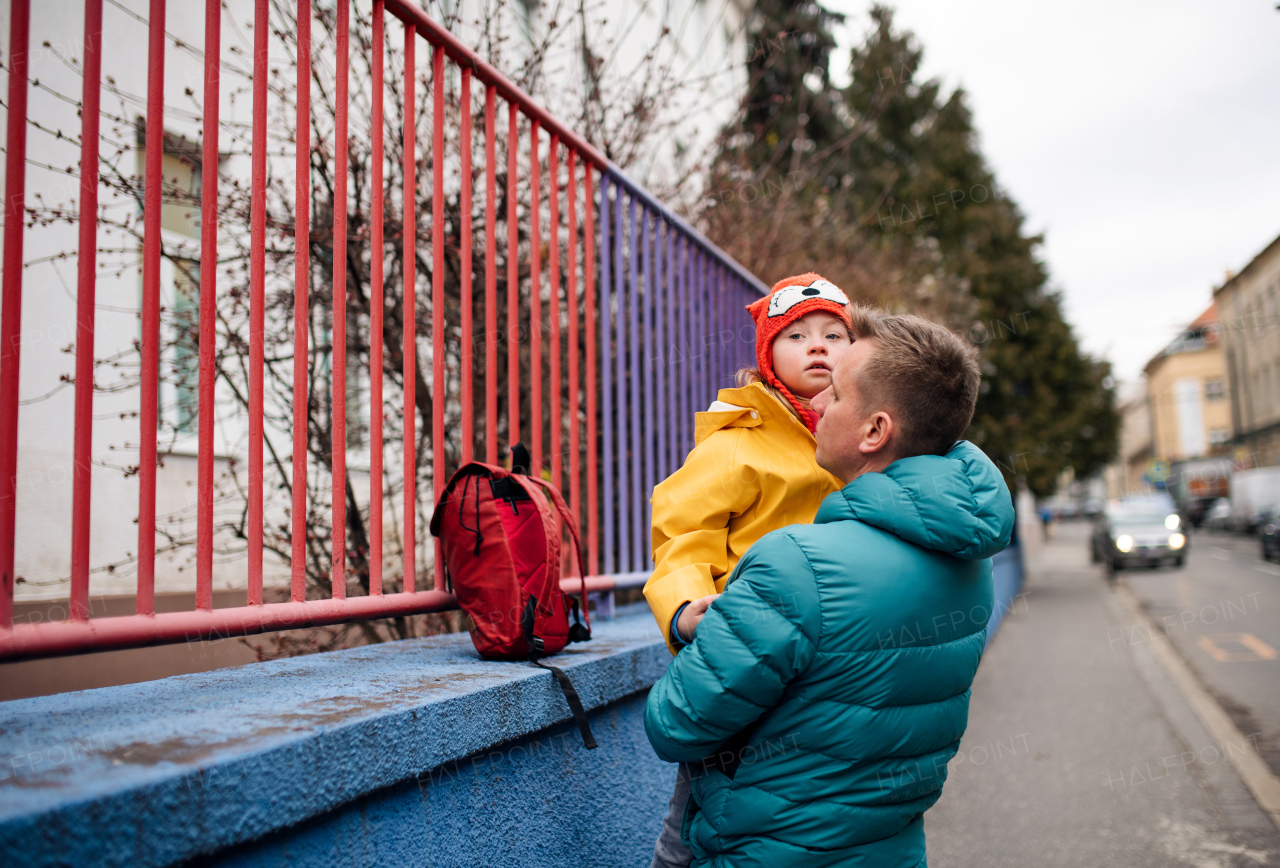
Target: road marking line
1258 650
1259 856
1255 773
1262 649
1220 553
1270 569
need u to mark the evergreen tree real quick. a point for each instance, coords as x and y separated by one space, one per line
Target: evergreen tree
1044 406
779 166
902 179
790 96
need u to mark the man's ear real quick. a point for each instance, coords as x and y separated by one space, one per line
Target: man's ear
876 433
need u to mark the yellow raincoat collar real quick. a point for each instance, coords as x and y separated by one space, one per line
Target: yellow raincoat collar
744 407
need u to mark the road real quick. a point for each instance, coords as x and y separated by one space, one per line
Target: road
1083 750
1222 612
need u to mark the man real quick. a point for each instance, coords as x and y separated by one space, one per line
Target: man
827 688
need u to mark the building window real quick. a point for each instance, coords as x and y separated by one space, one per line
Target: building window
527 18
178 391
1213 390
357 383
186 346
1218 436
358 409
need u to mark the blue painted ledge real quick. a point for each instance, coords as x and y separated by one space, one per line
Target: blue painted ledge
1007 577
272 763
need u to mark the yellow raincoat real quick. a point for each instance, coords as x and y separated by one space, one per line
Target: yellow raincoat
751 471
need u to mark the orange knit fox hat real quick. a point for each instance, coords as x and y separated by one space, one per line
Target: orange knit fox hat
790 299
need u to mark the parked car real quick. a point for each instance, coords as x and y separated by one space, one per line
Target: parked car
1217 515
1140 532
1269 536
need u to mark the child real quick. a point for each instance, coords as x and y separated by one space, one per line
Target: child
751 471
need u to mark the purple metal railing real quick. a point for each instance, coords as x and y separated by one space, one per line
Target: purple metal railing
673 349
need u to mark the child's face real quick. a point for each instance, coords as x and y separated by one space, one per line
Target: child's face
805 352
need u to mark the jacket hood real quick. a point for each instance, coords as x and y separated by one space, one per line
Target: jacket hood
956 503
744 407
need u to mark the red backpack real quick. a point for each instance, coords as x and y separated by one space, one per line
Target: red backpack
500 535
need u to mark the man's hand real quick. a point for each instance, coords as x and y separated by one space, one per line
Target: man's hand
687 624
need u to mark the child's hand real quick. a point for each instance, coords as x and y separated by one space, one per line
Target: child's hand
692 615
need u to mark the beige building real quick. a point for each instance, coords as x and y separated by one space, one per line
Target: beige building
1187 393
1127 476
1249 303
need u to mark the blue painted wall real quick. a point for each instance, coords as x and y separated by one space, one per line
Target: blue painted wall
542 801
389 747
407 753
1006 575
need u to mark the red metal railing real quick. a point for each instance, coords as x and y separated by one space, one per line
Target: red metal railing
684 265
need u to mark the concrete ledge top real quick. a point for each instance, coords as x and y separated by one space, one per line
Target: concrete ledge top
153 773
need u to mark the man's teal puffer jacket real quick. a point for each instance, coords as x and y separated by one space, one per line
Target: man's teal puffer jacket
850 644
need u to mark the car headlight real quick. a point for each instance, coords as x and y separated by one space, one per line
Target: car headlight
1124 542
1172 522
1177 540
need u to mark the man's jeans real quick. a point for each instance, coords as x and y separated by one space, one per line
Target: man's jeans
671 851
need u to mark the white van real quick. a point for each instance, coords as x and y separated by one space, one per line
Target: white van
1253 493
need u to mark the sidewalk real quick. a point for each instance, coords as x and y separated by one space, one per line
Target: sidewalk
1080 749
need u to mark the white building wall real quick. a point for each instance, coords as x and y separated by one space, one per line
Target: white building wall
706 45
49 306
1191 432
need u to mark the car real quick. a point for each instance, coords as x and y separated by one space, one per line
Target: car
1141 532
1248 520
1218 514
1269 535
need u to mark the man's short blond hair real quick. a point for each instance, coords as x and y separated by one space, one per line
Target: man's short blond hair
922 373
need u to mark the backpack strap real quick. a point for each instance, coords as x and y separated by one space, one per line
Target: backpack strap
575 703
460 476
466 475
566 686
535 487
572 522
462 519
520 461
539 500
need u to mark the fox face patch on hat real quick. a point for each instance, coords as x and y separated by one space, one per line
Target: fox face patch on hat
788 297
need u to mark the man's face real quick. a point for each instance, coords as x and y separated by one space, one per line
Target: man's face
843 425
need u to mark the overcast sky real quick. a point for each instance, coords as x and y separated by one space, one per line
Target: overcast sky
1142 138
